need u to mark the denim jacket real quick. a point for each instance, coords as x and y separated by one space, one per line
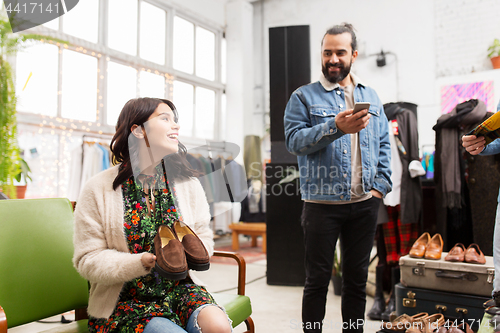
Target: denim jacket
324 152
493 148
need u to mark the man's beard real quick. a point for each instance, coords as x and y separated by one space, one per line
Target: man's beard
336 78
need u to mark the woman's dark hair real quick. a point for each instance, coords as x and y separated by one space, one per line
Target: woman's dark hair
137 111
340 29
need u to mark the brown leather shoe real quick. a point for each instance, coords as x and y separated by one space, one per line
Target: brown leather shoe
196 254
418 248
473 255
434 248
428 324
170 257
401 323
456 253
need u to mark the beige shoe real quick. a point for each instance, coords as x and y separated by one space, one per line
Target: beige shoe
418 248
434 248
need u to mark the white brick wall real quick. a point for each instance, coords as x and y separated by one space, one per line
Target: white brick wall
463 31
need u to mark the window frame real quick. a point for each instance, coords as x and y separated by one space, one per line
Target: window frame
104 53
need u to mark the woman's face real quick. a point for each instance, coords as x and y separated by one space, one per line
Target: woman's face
162 132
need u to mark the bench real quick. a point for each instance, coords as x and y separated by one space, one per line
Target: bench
251 229
37 277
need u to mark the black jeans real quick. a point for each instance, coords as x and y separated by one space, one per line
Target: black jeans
323 224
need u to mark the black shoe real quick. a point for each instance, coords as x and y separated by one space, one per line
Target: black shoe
391 306
494 301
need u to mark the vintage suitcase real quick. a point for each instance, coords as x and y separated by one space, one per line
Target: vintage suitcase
471 279
454 306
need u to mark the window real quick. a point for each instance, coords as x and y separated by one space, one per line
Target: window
183 45
184 102
122 26
122 85
36 79
79 86
139 49
151 85
153 25
82 20
205 54
205 113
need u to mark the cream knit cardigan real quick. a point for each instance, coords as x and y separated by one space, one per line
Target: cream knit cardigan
101 253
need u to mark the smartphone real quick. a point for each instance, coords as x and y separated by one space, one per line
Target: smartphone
360 106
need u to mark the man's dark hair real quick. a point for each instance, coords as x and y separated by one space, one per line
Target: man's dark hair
340 29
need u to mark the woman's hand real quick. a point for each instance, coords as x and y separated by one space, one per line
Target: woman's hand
474 145
148 260
376 194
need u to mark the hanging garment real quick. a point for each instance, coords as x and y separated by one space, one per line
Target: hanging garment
253 207
411 188
203 177
398 237
252 157
447 148
75 173
393 198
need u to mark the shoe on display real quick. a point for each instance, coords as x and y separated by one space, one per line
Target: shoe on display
456 254
418 248
434 248
474 255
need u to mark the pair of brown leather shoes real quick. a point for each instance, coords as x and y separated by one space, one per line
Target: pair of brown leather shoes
178 249
427 247
472 254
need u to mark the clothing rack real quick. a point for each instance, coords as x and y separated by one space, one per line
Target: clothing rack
97 138
212 146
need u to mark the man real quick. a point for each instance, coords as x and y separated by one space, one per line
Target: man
475 146
344 162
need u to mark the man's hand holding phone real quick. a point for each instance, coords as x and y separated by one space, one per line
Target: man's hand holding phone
353 121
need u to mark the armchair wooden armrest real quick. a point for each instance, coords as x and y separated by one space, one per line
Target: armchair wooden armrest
241 281
242 268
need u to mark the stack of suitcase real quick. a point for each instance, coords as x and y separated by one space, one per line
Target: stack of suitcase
456 289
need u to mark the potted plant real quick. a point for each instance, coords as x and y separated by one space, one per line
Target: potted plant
10 164
22 177
337 272
494 53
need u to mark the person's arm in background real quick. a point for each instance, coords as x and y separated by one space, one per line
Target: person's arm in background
475 145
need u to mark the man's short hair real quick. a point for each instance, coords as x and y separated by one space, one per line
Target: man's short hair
340 29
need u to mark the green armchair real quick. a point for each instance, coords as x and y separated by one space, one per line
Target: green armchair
37 277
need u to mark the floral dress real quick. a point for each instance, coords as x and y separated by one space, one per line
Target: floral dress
151 295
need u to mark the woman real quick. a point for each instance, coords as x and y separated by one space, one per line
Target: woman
116 220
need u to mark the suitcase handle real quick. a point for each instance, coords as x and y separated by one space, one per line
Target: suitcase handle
456 275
